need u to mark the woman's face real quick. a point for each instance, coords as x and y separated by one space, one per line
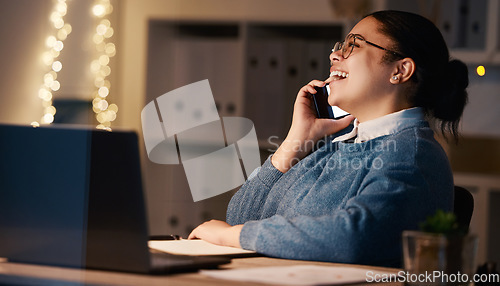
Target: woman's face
368 82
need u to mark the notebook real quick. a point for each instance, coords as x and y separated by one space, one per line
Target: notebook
198 247
73 197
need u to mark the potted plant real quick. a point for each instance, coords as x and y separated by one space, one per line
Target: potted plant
442 248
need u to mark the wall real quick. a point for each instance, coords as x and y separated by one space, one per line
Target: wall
22 36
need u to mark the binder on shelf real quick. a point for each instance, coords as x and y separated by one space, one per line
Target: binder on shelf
265 81
451 22
317 59
294 76
475 37
219 61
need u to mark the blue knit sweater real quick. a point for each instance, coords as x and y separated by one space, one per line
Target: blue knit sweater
346 202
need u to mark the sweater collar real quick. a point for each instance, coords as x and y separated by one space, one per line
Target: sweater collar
384 125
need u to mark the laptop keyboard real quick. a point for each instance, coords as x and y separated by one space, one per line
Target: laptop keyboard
169 260
162 262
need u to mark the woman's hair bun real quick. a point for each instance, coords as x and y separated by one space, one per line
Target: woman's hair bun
457 74
450 105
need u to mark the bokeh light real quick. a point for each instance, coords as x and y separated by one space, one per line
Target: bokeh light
481 71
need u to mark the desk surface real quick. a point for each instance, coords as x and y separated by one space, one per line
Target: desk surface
26 274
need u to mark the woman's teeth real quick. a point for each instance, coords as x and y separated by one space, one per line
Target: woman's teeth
339 74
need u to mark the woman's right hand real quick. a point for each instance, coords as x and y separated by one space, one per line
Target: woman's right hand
306 129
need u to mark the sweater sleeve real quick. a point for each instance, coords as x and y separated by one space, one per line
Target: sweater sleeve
365 229
248 202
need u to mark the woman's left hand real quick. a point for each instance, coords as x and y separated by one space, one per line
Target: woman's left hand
218 232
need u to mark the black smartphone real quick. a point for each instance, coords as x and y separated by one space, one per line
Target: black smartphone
323 109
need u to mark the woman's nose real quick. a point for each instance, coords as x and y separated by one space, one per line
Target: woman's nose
335 56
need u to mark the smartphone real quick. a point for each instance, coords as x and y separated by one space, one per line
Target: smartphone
323 109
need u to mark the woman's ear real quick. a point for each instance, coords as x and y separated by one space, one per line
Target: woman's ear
404 70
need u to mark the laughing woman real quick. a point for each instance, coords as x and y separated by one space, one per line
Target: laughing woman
349 200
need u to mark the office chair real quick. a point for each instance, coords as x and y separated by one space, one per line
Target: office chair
463 207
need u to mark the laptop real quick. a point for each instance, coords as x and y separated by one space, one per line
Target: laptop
73 197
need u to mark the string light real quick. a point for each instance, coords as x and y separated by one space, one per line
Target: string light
105 112
55 45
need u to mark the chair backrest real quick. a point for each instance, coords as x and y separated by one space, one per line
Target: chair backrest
463 206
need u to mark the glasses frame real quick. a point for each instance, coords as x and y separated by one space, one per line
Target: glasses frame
341 46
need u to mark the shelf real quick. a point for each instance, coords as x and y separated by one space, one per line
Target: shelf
470 27
476 57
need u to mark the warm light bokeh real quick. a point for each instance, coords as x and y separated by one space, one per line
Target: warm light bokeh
55 45
481 71
105 112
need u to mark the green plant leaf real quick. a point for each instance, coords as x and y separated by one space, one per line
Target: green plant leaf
442 223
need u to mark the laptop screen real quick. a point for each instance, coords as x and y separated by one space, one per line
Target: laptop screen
43 194
72 197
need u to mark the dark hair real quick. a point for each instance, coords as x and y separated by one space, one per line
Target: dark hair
440 82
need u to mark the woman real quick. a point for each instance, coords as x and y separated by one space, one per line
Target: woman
349 202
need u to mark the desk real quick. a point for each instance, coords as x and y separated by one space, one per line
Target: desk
27 274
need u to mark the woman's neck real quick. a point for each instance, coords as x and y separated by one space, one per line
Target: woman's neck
375 110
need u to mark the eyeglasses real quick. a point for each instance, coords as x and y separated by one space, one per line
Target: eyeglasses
350 42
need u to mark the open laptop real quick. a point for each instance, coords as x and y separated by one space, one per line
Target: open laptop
73 197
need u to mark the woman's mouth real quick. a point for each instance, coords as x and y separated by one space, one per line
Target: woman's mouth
339 75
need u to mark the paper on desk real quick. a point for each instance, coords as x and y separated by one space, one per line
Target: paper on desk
196 247
298 275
